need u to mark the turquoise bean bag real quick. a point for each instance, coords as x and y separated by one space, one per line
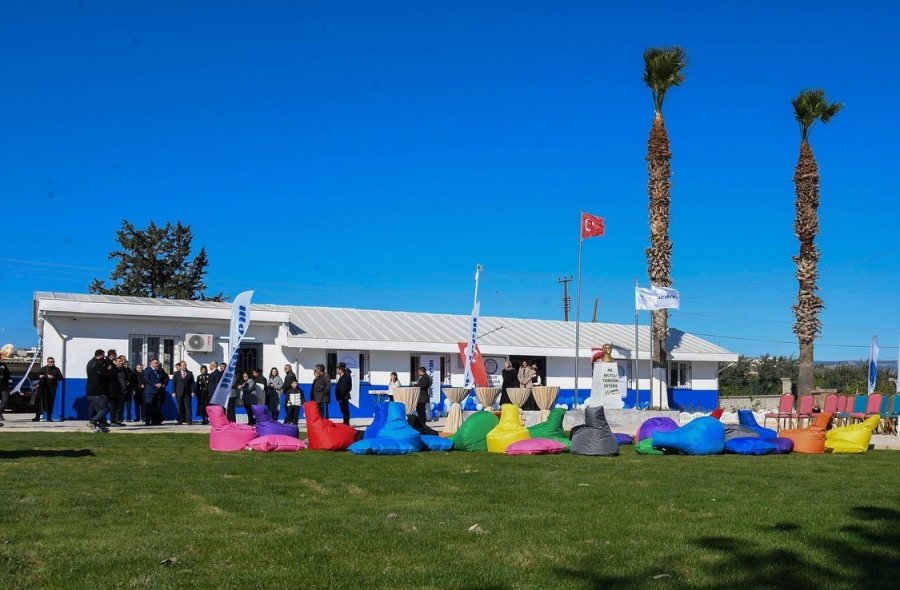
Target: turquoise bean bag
701 436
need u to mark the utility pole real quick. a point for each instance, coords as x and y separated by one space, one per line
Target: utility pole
594 317
566 301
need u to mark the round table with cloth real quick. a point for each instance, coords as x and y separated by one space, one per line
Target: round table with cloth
408 396
545 396
455 395
517 395
487 396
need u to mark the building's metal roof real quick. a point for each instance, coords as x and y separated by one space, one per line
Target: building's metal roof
347 325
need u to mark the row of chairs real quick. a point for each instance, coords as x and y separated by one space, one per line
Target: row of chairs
846 410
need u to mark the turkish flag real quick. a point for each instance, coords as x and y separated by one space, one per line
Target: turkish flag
479 372
591 226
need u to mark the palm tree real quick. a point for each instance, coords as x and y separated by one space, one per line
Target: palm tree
810 107
663 69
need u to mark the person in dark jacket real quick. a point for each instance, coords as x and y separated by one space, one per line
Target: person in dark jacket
155 380
48 380
125 414
294 399
203 394
116 377
183 389
342 391
137 391
424 384
320 392
4 388
510 379
97 389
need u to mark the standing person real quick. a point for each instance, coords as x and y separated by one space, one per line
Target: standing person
273 393
114 394
525 375
294 399
342 391
530 402
510 379
129 391
4 388
97 389
424 384
249 391
48 380
137 391
155 380
233 397
182 391
203 393
320 392
393 384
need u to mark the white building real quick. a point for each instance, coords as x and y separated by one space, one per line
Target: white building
74 325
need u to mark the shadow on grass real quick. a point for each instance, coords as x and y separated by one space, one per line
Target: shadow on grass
28 453
859 551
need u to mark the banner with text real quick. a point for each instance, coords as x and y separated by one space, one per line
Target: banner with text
432 364
656 298
240 321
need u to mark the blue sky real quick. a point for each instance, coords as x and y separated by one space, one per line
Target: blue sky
369 154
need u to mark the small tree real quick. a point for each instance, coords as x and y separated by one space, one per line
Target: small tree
155 262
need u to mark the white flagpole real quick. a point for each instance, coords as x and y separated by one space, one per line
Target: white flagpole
897 382
650 361
470 349
578 305
636 364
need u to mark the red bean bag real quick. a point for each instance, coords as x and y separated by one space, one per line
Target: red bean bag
325 435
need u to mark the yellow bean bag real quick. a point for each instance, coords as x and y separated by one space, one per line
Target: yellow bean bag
508 431
851 439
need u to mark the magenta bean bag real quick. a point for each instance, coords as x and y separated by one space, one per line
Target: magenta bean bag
651 425
536 446
227 436
275 443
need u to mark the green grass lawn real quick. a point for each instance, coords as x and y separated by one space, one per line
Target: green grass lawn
103 511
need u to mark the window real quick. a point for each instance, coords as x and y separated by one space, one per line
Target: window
143 348
331 365
415 362
680 375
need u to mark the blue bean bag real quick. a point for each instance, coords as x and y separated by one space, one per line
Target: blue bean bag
782 445
381 412
746 418
395 437
701 436
437 443
623 439
266 425
749 445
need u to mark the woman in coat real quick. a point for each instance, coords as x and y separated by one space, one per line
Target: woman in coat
510 379
273 395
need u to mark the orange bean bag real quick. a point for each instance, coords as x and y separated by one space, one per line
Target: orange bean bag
809 440
325 435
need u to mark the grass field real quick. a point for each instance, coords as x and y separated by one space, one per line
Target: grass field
89 511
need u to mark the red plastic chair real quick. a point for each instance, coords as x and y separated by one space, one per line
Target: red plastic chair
785 411
805 410
830 405
863 409
841 409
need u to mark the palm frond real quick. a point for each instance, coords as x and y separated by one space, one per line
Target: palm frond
811 106
663 69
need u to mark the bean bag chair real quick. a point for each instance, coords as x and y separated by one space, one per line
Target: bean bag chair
536 446
381 411
420 428
749 445
748 420
266 425
645 447
437 443
623 439
717 413
508 431
737 431
227 436
852 439
782 445
701 436
809 440
594 437
275 443
651 425
325 435
395 436
472 433
552 428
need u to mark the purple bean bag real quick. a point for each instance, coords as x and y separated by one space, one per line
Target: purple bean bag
651 425
623 439
782 445
266 425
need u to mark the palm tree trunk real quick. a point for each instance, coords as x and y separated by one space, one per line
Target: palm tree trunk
806 225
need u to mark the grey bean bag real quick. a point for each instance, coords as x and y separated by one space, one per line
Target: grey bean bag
594 437
738 431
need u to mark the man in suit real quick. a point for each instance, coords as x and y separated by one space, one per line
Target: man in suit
48 380
155 380
424 384
342 391
320 392
4 388
96 389
182 391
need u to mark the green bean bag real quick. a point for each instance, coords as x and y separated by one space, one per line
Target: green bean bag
552 428
472 434
645 447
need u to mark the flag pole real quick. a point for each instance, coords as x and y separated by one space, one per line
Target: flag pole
578 304
636 362
650 361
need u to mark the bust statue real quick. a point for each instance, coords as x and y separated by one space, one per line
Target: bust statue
607 354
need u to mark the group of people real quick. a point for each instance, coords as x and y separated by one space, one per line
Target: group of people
527 376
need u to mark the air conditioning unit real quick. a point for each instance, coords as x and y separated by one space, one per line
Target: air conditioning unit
198 342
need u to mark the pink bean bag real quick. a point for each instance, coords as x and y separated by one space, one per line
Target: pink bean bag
325 435
225 435
275 443
536 446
